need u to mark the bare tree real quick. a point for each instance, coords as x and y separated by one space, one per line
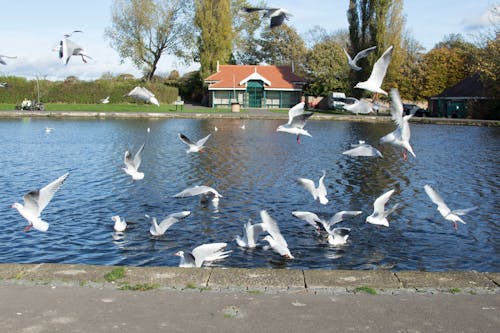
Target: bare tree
144 30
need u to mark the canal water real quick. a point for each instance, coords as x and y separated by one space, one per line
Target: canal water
253 169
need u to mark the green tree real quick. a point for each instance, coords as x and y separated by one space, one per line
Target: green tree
214 24
245 28
410 82
144 30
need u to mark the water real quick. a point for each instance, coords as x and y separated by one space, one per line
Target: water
253 169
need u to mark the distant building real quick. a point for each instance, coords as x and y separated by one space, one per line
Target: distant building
255 86
453 101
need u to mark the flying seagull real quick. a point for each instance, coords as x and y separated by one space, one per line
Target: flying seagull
250 234
71 33
160 229
2 61
67 48
4 85
442 207
361 54
142 94
207 193
277 15
201 254
379 215
376 78
317 192
194 147
400 137
363 149
35 201
104 100
359 107
297 119
132 164
275 238
120 224
327 225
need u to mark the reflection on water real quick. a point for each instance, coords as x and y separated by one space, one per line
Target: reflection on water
253 169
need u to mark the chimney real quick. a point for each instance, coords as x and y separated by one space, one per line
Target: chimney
293 67
217 66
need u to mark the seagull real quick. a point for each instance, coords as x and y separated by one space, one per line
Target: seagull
327 225
201 254
361 54
194 147
35 201
68 48
317 192
132 165
206 193
275 239
442 207
378 73
71 33
401 136
297 119
160 229
104 100
243 127
362 149
4 85
311 218
338 236
250 234
215 128
120 224
359 107
142 94
277 15
2 61
49 129
379 215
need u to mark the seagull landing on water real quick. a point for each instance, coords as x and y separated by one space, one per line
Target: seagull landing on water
250 234
2 61
317 192
120 224
376 78
160 229
379 215
194 147
275 238
132 164
297 119
207 193
358 107
35 201
401 136
327 225
277 15
442 207
201 254
361 54
362 149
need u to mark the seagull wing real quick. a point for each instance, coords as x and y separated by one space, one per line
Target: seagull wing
363 54
201 142
300 120
36 201
309 217
396 108
380 68
272 228
341 232
196 190
308 185
379 204
463 211
349 59
436 198
321 190
252 232
185 139
342 215
138 157
277 20
209 252
295 111
171 219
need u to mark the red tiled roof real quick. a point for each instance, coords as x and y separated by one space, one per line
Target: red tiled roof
230 76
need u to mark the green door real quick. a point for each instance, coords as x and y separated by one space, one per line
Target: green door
255 90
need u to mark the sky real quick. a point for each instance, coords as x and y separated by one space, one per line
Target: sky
30 29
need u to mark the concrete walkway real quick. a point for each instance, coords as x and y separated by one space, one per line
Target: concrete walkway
79 298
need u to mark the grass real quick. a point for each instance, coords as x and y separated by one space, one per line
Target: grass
190 286
368 290
455 290
115 274
140 286
120 108
255 292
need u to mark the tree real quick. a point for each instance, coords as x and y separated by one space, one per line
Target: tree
245 29
144 30
213 20
410 82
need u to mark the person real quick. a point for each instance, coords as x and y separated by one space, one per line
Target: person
26 104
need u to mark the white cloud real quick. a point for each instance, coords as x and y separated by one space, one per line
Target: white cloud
490 16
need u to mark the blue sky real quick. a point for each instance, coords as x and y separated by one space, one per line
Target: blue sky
30 29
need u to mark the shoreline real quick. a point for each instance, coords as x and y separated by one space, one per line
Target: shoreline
250 114
258 280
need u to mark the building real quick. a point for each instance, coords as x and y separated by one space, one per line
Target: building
254 86
453 101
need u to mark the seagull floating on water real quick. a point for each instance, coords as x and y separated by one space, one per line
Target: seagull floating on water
35 201
142 94
277 15
317 192
379 215
2 61
120 224
194 147
361 54
442 207
376 78
401 136
132 164
49 129
363 149
297 119
338 236
250 234
160 229
201 254
275 239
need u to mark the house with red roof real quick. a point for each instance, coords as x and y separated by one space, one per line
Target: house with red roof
255 86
